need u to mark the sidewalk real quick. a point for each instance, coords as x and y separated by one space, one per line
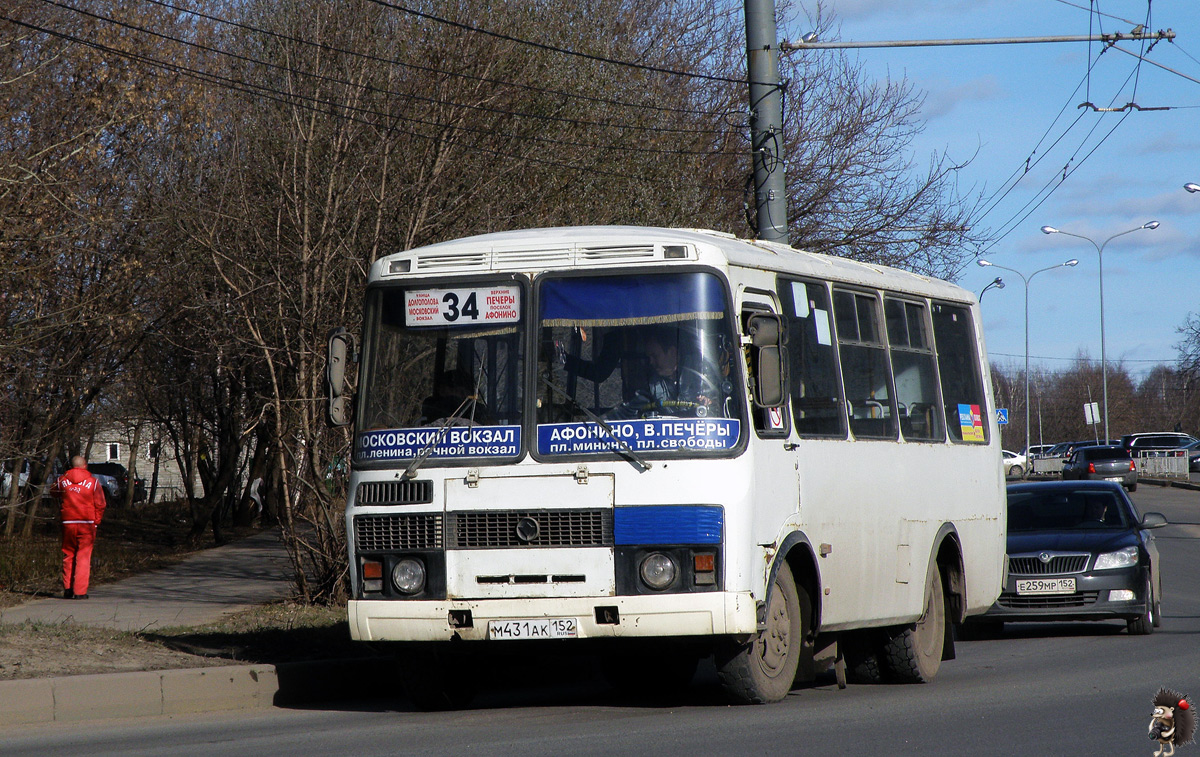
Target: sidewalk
201 589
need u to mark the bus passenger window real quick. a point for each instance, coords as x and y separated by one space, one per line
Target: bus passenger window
865 373
913 366
815 389
958 367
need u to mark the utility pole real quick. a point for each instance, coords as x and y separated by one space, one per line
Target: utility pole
766 121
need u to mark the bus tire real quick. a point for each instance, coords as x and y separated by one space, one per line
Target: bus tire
763 669
863 651
913 653
438 679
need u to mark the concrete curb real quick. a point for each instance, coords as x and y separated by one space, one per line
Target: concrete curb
1170 482
171 692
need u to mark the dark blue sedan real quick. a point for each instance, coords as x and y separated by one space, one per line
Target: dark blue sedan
1079 550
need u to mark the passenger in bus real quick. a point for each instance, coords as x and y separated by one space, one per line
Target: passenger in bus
674 388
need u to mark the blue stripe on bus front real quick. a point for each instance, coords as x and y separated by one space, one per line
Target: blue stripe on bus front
667 524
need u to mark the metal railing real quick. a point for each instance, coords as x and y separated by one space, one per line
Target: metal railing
1163 463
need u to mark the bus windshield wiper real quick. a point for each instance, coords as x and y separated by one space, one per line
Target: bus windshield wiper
622 446
447 422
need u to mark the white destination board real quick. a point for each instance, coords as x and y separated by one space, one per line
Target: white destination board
462 307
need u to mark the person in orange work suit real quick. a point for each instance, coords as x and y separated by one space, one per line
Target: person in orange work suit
81 500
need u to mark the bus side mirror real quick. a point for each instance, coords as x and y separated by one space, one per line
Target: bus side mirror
340 350
769 359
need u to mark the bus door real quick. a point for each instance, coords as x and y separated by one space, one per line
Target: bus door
774 459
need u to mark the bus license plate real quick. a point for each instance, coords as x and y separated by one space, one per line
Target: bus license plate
536 628
1046 586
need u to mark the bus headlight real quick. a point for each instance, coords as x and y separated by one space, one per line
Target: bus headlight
408 576
658 570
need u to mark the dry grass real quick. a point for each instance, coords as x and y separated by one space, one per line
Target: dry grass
272 634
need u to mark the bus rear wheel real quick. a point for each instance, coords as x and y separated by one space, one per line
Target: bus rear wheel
913 653
763 669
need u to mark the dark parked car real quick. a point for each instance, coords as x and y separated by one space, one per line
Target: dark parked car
1079 550
117 482
1101 464
1193 453
1137 443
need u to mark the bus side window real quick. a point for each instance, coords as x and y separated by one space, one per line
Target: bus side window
815 389
958 368
914 369
865 373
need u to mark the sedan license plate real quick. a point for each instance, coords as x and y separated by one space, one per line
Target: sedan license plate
1118 479
535 628
1046 586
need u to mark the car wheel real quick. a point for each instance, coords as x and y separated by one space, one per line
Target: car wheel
1017 472
1131 488
1143 625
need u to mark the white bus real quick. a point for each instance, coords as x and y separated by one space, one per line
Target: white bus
704 445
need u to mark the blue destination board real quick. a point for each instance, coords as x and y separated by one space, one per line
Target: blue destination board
454 441
651 434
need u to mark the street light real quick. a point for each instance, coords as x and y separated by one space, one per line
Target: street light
997 283
1100 253
1192 187
1068 264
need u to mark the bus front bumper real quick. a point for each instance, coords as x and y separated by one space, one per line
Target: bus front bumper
707 614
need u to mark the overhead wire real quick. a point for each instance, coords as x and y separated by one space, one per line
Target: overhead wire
1072 165
556 49
405 95
330 108
431 69
1097 12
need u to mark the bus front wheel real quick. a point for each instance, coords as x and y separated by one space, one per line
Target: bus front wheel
913 653
763 669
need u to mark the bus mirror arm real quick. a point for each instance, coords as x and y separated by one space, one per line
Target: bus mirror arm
340 350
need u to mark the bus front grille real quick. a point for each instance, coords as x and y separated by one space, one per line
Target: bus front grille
395 493
390 533
530 528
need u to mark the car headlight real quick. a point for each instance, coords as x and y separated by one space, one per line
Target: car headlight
658 570
1122 558
408 576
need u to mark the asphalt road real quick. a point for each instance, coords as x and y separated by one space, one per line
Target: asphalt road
1067 689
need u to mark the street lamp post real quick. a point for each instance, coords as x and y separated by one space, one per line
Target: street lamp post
997 283
1100 254
1025 279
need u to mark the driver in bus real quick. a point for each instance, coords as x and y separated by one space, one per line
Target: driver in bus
673 389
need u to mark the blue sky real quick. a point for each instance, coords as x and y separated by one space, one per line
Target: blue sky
997 102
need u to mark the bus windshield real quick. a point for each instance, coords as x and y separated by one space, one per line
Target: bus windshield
649 348
443 374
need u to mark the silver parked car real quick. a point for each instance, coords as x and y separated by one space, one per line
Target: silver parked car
1104 463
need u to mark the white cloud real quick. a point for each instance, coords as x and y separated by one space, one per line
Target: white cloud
943 99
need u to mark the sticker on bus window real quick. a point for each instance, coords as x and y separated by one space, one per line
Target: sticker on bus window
970 420
800 298
822 321
462 307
